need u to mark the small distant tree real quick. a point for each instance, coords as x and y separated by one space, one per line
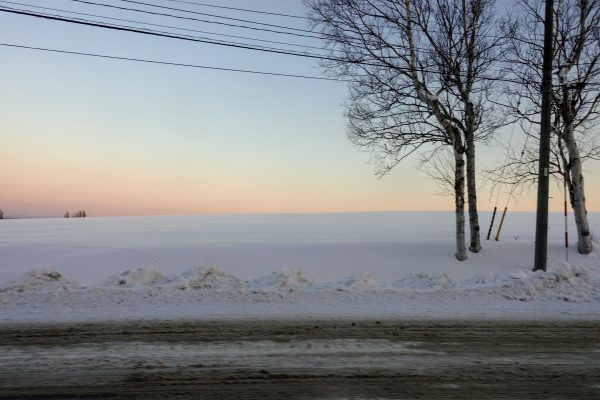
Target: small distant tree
1 214
77 214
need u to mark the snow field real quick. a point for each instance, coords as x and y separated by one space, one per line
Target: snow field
413 275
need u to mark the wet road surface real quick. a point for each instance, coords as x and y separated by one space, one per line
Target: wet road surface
362 359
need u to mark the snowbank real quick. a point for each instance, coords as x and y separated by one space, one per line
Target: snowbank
203 291
563 282
46 280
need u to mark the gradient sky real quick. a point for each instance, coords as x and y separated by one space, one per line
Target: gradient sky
123 138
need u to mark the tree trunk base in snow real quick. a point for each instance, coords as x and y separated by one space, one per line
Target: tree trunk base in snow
585 244
476 249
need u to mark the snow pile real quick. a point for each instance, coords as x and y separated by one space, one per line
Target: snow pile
211 292
46 280
207 278
563 282
425 281
357 282
285 280
136 278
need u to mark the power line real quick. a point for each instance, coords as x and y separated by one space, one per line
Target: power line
199 40
197 13
239 20
199 20
286 15
211 15
323 35
198 31
169 35
143 60
238 9
215 33
226 44
164 26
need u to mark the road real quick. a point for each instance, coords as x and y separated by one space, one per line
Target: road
334 359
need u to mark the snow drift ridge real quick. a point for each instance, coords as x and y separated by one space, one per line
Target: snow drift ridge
562 282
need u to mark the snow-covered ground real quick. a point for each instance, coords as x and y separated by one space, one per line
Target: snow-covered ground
380 265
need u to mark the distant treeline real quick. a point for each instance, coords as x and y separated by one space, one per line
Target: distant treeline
78 214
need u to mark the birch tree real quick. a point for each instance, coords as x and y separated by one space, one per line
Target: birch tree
420 74
576 96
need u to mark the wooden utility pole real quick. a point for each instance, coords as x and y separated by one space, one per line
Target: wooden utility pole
541 225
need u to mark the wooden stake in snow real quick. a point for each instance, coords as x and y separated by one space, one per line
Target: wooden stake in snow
491 224
501 223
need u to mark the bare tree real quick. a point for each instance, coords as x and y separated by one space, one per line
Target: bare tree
420 74
576 96
439 167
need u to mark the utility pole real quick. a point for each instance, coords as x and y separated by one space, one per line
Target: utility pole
541 224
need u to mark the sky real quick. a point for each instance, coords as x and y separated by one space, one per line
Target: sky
124 138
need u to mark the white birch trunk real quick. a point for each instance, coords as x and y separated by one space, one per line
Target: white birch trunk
470 33
459 209
474 229
433 104
568 113
577 194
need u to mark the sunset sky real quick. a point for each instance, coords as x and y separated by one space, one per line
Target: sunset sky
124 138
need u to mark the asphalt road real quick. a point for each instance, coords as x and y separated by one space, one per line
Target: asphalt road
362 359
